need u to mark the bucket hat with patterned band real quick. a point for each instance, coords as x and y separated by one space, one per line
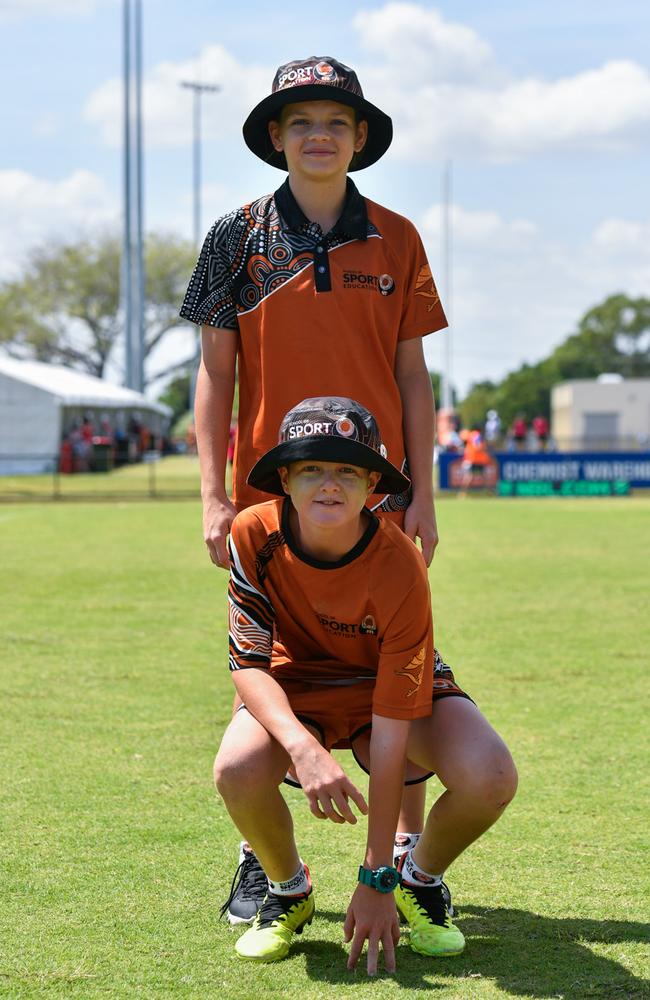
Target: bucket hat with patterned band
317 78
328 429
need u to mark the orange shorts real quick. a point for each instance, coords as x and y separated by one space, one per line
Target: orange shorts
340 716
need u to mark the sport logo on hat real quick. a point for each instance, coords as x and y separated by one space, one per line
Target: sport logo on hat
328 429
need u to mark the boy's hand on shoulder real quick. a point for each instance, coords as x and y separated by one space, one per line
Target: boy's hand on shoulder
372 917
420 522
218 515
326 785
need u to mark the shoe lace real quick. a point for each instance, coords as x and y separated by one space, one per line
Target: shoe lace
430 901
249 881
274 907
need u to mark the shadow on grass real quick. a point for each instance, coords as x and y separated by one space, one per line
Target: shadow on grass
520 952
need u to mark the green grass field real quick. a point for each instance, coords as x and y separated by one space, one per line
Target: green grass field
173 475
116 852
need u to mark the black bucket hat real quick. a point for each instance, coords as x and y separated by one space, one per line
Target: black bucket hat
317 78
330 429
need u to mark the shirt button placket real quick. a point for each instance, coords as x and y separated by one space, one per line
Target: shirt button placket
322 278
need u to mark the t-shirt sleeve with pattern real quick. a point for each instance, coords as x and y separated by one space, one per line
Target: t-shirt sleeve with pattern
209 299
250 613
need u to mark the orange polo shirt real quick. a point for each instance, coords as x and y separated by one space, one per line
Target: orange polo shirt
317 314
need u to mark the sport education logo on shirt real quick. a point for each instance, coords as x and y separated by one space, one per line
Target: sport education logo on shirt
382 283
348 630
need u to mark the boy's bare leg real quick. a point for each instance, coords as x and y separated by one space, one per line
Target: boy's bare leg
248 771
479 775
411 815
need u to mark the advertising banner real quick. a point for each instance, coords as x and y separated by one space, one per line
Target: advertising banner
551 473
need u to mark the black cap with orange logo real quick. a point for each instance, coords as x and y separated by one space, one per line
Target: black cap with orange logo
330 429
317 78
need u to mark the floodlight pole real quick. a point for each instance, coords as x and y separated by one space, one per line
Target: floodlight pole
133 284
127 299
447 394
197 90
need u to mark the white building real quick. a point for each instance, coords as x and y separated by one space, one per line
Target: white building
39 403
607 412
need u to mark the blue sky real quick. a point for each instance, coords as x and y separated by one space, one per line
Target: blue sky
542 108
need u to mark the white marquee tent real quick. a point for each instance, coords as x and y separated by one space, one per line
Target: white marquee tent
40 402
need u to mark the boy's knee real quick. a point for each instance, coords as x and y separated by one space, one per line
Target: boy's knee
227 776
500 779
491 779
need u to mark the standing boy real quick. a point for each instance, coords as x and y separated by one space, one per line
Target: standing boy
314 290
346 596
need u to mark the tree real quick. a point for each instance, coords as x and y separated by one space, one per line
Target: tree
476 404
436 385
611 337
177 395
65 309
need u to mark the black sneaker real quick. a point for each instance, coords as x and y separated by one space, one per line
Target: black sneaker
247 892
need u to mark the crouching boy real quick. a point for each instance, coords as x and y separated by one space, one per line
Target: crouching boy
352 665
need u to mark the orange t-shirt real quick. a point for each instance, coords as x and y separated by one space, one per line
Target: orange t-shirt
317 314
367 616
475 451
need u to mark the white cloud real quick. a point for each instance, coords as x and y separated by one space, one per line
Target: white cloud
623 236
33 209
448 96
516 294
439 80
417 44
480 229
167 107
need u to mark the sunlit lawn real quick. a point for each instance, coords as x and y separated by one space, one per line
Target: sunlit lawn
116 852
171 475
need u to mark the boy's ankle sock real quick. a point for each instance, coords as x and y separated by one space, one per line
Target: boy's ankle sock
298 885
404 842
414 875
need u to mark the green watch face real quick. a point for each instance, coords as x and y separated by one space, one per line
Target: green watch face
383 879
388 879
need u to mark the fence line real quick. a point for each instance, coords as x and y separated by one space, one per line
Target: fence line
156 477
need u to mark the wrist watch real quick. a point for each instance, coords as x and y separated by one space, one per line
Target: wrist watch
383 879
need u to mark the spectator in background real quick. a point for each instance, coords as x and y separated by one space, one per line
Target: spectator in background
82 444
519 431
145 439
134 428
492 428
190 438
475 460
540 427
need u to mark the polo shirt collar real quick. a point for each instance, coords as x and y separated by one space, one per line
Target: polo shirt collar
353 220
